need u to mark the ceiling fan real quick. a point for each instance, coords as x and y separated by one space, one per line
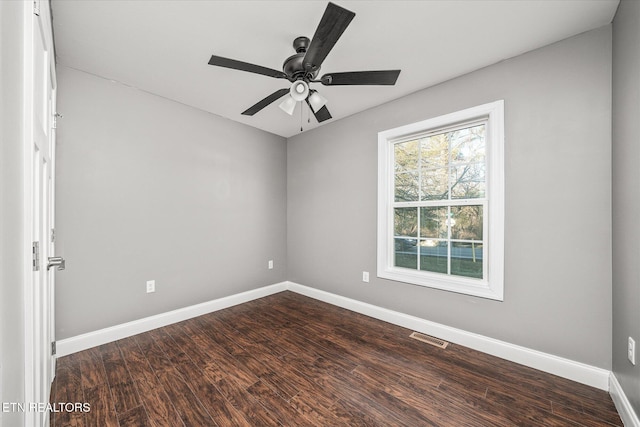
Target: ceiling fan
303 67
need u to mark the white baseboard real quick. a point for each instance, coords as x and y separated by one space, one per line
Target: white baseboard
627 414
575 371
91 339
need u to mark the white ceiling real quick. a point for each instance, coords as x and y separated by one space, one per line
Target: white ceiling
163 46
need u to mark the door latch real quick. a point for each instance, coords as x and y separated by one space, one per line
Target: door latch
56 261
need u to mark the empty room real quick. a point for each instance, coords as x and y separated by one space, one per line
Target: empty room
313 213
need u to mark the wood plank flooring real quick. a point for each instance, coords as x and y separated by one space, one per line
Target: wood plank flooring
288 360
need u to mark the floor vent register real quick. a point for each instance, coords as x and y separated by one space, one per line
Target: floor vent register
429 339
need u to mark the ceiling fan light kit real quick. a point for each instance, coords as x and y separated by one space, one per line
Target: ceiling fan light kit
303 67
299 90
288 105
316 101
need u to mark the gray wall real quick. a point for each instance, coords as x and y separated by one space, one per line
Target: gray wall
11 210
558 198
626 196
149 189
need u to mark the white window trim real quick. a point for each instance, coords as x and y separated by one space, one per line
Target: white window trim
493 287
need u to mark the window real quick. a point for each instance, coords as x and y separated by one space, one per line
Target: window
441 202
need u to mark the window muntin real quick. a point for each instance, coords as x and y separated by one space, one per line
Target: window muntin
441 202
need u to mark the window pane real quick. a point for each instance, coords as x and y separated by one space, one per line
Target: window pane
468 181
435 151
466 222
406 156
406 253
406 222
433 222
466 259
433 256
434 184
406 187
468 145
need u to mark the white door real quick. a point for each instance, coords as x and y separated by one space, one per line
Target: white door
40 101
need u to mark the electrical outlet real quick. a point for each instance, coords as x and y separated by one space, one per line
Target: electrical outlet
270 264
365 276
631 351
151 286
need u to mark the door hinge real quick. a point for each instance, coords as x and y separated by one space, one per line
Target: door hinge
53 235
56 116
36 256
36 7
53 348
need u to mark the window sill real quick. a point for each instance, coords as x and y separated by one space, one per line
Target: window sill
461 285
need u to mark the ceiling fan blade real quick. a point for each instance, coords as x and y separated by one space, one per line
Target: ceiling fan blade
385 77
245 66
268 100
333 23
322 114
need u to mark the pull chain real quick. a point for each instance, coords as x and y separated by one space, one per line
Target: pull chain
301 107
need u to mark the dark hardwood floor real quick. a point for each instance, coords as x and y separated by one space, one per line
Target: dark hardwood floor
288 360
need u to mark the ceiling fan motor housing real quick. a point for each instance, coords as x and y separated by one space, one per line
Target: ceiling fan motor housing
293 66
